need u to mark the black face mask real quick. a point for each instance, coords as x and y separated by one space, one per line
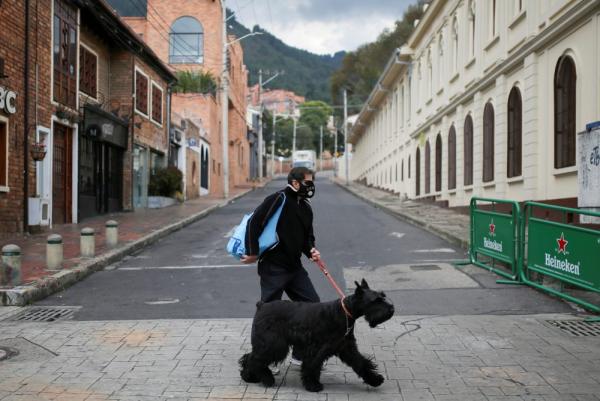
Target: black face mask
307 189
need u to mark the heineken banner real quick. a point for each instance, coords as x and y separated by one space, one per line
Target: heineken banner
566 252
494 235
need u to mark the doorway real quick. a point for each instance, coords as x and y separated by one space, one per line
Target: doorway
62 167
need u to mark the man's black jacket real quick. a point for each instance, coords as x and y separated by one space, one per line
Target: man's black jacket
294 229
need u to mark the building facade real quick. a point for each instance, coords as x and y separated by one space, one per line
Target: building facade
278 101
74 89
188 36
485 99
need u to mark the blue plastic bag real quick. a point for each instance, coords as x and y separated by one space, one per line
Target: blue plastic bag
268 239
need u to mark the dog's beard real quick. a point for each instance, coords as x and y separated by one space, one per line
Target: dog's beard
378 315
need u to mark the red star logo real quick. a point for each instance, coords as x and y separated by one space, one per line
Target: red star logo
562 243
492 228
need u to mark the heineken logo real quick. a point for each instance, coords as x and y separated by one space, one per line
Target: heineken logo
492 244
561 264
492 229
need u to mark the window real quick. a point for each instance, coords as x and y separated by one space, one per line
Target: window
515 116
438 163
409 166
468 149
493 19
452 158
418 172
88 72
64 54
488 143
141 92
429 75
565 80
427 167
402 170
455 44
3 154
186 41
157 103
440 65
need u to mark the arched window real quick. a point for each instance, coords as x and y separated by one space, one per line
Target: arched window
438 163
515 118
418 172
565 80
186 41
468 149
427 167
452 158
488 143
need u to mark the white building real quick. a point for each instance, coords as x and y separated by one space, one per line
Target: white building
485 99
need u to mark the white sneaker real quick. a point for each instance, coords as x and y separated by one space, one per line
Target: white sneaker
295 361
275 370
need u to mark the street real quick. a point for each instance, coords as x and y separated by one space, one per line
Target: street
189 275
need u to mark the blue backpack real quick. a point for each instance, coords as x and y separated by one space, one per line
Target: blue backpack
268 239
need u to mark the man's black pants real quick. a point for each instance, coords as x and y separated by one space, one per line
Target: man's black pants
274 280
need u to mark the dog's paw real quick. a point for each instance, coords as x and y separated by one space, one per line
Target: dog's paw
374 380
313 387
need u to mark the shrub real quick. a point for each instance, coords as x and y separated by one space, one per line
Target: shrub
195 82
165 182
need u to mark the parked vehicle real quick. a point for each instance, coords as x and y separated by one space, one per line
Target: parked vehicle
305 158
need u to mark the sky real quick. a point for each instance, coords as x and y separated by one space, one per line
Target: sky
321 26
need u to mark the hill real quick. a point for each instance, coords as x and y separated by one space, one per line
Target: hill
305 73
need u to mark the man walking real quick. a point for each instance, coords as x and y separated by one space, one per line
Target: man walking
280 268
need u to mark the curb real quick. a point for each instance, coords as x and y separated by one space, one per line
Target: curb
26 294
464 244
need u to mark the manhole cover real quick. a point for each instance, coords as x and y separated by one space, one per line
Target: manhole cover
425 267
45 314
577 328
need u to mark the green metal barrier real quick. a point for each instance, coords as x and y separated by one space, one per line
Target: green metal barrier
565 252
496 235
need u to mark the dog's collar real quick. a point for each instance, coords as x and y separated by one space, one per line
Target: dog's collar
346 311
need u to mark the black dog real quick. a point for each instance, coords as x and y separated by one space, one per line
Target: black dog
319 331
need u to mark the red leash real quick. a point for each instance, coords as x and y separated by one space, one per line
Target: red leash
325 271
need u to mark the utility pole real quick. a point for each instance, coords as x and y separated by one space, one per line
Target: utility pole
321 150
260 126
335 150
225 106
346 136
273 146
294 140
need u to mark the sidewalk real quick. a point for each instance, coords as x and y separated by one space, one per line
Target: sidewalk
443 222
136 230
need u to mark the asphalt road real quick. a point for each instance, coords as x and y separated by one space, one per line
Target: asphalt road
189 275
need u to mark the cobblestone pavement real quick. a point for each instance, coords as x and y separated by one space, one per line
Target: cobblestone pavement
444 222
422 357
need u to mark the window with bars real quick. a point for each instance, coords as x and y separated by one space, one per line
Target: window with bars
3 154
141 92
468 149
565 81
64 48
514 140
427 167
88 72
157 103
452 158
488 143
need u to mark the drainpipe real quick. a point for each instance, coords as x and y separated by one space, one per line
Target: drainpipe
26 124
168 118
132 123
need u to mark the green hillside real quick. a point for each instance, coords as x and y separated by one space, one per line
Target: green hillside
305 73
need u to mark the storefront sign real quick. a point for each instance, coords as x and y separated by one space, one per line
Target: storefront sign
8 100
103 126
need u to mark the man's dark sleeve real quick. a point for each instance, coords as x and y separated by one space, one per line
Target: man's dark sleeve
259 219
310 238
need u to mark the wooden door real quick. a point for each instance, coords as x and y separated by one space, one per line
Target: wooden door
62 174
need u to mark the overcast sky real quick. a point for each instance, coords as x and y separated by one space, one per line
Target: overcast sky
321 26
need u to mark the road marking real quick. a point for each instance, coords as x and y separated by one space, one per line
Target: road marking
165 301
439 250
192 267
397 235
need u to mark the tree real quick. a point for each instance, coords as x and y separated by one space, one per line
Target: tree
314 115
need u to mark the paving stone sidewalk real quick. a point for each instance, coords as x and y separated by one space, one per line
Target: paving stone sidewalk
136 230
422 357
444 222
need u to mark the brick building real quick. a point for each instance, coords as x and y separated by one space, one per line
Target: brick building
189 37
81 83
280 101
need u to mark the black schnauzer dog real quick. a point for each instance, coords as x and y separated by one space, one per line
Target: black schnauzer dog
317 331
